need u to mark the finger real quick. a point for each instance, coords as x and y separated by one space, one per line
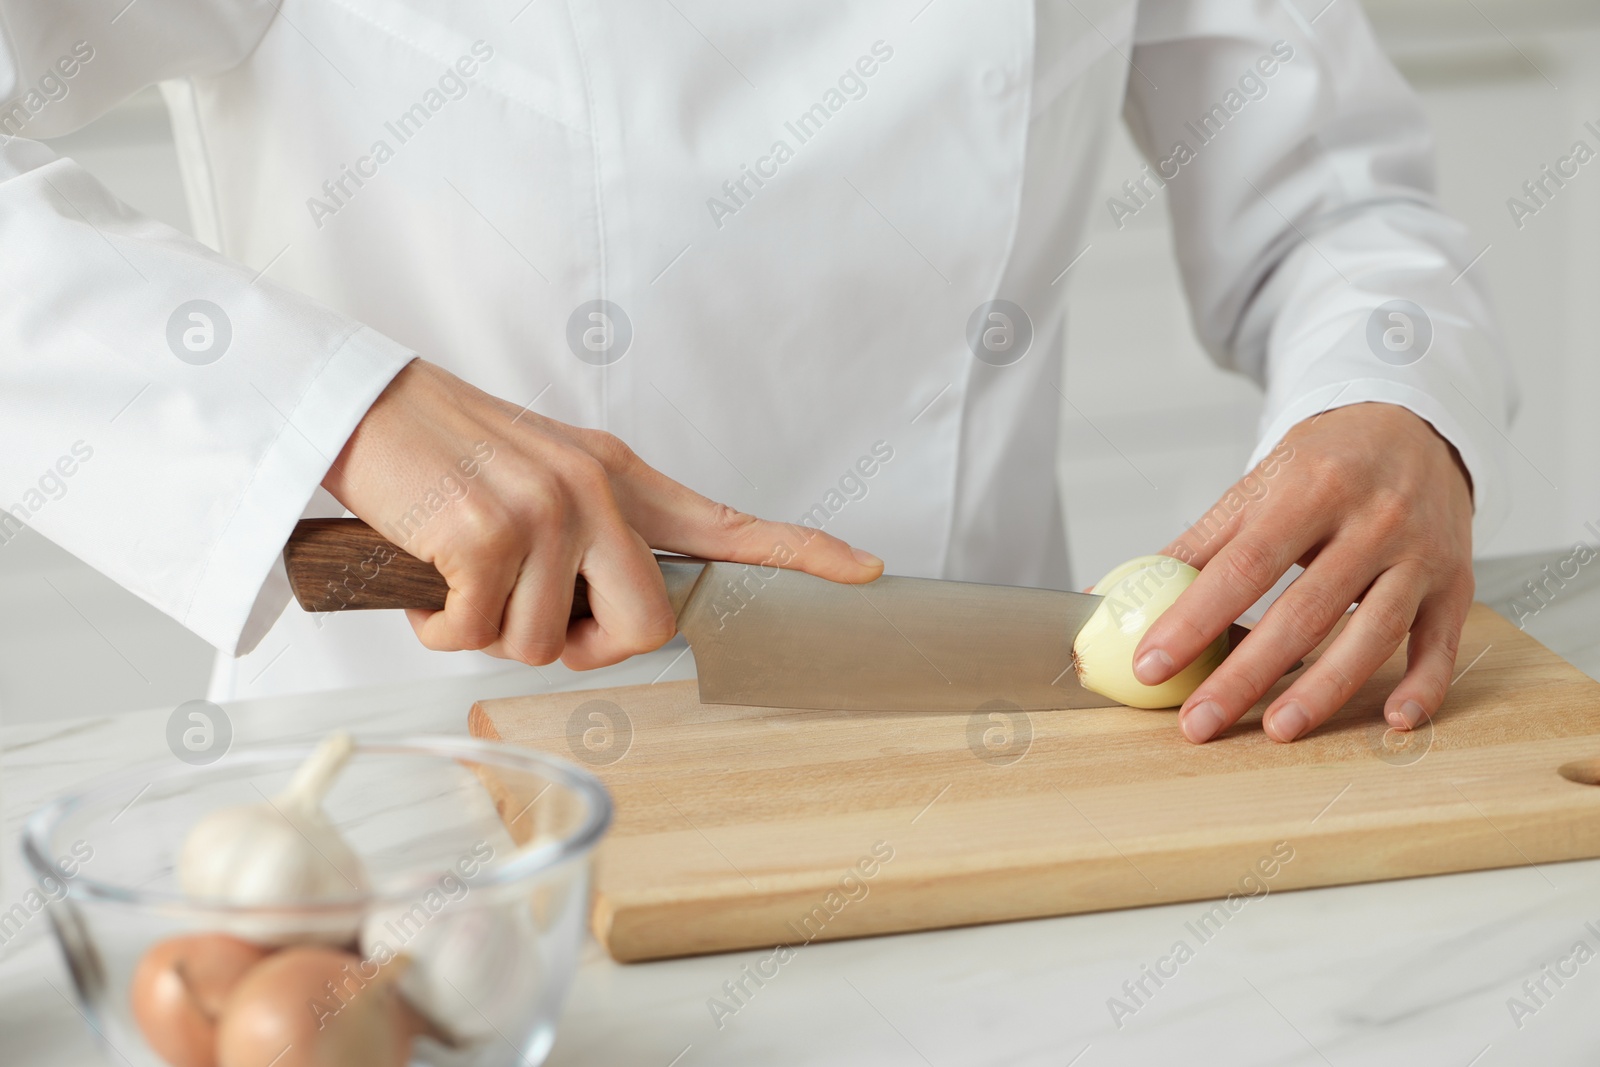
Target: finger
1294 624
472 610
1376 629
1204 538
1200 542
630 612
1235 578
534 629
724 533
675 518
1430 659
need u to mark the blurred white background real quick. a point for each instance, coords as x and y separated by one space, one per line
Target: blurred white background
1509 85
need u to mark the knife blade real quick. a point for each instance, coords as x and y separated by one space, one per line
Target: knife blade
770 637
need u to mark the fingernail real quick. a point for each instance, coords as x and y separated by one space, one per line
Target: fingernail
1410 715
1153 667
1201 722
1289 722
866 559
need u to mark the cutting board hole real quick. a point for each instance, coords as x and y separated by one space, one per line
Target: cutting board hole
1584 772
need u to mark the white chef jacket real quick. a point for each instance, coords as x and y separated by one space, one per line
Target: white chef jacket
798 208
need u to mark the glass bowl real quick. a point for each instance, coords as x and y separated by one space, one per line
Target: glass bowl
477 857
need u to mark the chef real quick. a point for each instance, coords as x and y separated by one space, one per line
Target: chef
506 278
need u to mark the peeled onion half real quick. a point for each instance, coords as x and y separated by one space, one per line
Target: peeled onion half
1136 594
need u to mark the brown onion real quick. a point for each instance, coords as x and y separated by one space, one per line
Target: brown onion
312 1006
179 989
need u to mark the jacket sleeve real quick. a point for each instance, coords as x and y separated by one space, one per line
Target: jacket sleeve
1299 170
165 413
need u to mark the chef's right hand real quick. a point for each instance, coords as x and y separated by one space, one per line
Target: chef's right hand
555 501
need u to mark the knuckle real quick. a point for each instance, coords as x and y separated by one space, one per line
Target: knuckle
1390 513
1239 682
1177 629
435 642
650 632
1449 646
1306 616
588 477
470 635
1324 477
485 527
730 521
660 626
1250 567
1329 685
1388 622
611 451
534 641
539 651
1183 552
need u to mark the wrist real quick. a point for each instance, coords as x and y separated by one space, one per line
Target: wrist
370 439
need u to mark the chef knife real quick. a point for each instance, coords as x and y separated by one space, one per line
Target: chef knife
770 637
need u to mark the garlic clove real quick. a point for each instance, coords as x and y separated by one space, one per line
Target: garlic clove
280 852
178 991
475 969
315 776
312 1006
1136 594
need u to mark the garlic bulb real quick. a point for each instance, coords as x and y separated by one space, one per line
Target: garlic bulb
1136 594
475 968
280 852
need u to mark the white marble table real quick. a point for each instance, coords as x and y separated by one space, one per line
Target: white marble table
1416 972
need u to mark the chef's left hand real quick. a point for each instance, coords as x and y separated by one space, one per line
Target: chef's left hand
1377 508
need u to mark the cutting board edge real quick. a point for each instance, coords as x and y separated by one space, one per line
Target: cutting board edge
628 930
481 724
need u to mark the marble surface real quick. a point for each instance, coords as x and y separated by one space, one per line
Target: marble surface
1411 972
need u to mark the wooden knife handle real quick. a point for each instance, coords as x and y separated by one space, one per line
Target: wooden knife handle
346 565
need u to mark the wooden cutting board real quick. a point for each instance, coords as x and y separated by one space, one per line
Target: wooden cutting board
746 827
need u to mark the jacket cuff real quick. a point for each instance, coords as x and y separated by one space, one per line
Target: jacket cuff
1451 414
243 589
